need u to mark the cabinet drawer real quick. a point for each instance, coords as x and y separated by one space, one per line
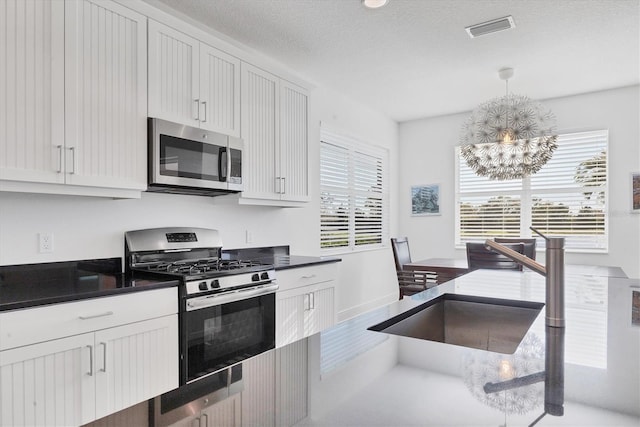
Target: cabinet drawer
295 277
33 325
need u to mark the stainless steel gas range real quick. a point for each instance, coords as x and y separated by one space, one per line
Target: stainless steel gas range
227 307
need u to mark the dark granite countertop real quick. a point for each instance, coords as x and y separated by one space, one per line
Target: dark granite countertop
593 363
283 262
278 256
30 285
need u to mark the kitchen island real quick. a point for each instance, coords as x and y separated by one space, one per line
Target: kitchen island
395 380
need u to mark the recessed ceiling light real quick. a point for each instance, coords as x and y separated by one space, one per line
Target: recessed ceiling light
374 4
492 26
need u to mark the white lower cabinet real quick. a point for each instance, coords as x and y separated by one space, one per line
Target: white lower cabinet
134 363
275 387
305 303
303 312
118 360
225 413
47 384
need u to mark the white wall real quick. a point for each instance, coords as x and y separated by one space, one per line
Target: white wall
367 278
427 156
88 227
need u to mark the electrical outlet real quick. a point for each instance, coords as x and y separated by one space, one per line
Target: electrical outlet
249 236
46 242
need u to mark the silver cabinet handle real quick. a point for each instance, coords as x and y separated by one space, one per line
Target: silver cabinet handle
278 184
104 357
59 158
90 360
309 276
206 420
283 186
197 101
312 299
306 302
73 160
204 104
93 316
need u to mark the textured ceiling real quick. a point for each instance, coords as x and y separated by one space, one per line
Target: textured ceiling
413 58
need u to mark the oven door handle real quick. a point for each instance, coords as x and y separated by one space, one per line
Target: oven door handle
227 297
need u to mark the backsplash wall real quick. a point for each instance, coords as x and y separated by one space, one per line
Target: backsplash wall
89 227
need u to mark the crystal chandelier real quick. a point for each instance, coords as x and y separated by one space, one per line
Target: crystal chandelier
508 137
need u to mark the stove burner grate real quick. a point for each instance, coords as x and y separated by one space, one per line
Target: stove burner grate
192 267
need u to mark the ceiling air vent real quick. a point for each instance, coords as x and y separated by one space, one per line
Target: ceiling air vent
488 27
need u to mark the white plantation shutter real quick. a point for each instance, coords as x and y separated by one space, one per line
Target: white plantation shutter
566 198
353 194
569 194
334 196
367 198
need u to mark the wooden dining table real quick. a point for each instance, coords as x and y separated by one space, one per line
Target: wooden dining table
449 268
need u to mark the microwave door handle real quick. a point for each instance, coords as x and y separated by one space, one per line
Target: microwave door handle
229 152
223 164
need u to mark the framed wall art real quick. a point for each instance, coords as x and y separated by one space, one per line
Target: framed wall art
635 192
425 200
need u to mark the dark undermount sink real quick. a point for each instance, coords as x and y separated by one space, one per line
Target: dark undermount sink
491 324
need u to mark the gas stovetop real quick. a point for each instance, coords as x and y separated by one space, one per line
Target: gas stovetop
193 255
203 269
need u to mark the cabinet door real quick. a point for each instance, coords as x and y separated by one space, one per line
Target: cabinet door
173 75
226 413
106 88
32 90
260 163
290 315
135 362
219 91
291 383
50 383
294 155
258 398
320 314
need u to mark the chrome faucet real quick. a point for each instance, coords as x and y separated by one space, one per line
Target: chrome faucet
553 271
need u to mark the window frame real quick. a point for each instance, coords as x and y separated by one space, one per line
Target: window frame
527 191
356 148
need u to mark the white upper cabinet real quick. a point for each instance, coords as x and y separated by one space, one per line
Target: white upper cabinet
191 82
219 91
106 92
72 97
294 155
32 91
275 133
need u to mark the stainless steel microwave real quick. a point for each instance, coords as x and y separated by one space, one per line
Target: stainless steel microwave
188 160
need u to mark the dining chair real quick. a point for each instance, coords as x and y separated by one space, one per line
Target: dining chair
480 256
529 244
409 281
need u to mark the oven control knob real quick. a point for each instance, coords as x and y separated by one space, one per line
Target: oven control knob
264 276
202 286
215 283
255 278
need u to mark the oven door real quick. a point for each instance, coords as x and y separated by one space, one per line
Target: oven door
219 330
